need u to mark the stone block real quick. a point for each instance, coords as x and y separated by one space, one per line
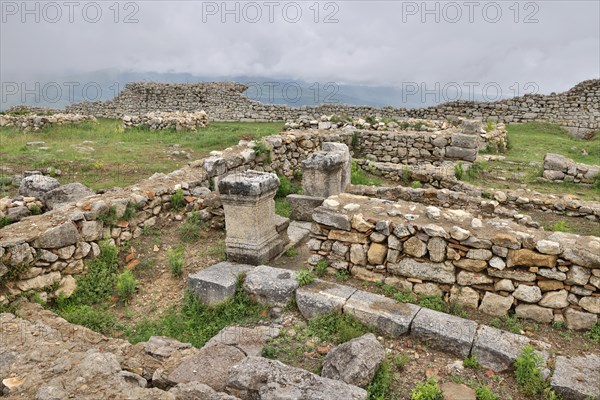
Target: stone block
272 286
322 297
217 283
444 331
382 313
303 206
576 378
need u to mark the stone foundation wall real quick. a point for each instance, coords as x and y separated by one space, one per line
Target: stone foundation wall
574 109
409 147
35 122
492 265
179 120
560 168
44 253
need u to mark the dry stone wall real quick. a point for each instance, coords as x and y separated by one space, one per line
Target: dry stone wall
36 122
491 265
178 120
576 109
560 168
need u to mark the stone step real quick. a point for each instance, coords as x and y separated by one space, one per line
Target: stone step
218 282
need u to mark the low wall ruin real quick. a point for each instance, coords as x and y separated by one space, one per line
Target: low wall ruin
491 265
36 122
560 168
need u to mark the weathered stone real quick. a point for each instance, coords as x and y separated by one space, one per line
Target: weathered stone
415 247
384 314
272 286
459 234
589 257
513 275
457 391
461 153
448 332
377 253
471 265
436 272
466 278
322 297
547 286
578 275
303 206
498 349
59 236
91 230
556 299
401 230
348 237
437 249
39 282
464 296
504 285
196 391
497 263
360 224
68 193
506 240
358 256
210 366
354 362
67 287
434 231
427 289
529 258
472 241
367 275
334 220
37 186
591 304
552 274
528 294
496 305
218 282
20 254
578 320
548 247
259 378
576 378
535 313
250 340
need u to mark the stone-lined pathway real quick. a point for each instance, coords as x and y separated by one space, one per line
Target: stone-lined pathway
574 378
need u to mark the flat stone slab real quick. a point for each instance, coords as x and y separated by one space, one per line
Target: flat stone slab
303 206
249 340
382 313
260 378
447 332
498 349
577 378
322 297
298 231
218 282
271 286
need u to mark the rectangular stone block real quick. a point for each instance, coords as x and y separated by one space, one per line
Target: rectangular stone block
217 283
382 313
322 297
444 331
498 349
303 206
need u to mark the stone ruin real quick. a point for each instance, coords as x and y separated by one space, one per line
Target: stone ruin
178 120
36 122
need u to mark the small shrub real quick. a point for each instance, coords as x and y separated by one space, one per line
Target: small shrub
475 170
428 390
456 309
305 277
561 226
459 170
401 360
130 211
490 126
406 174
471 362
35 209
342 275
360 177
355 142
405 297
485 393
178 200
528 373
560 325
321 267
415 185
291 252
269 351
380 385
433 302
176 261
285 186
4 221
336 328
594 333
126 285
191 230
510 323
110 218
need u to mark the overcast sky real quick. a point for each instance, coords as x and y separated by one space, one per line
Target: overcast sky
553 44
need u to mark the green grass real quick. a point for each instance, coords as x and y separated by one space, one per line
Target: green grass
471 362
118 158
283 207
509 322
291 252
379 388
594 333
434 302
175 261
196 323
321 267
191 230
428 390
485 393
178 200
305 277
561 226
360 177
527 371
